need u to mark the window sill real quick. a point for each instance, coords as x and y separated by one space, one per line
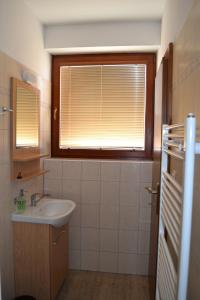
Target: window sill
101 154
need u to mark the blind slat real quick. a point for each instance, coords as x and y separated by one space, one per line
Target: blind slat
27 118
102 106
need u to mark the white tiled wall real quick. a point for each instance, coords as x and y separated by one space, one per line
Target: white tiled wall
110 228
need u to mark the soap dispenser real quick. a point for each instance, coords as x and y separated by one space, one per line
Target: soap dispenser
21 202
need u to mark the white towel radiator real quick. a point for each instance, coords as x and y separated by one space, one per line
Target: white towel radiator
178 142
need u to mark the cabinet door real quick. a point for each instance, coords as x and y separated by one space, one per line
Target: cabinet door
31 260
59 258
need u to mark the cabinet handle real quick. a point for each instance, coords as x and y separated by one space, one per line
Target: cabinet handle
55 242
55 113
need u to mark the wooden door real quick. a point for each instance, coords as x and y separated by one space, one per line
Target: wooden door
162 114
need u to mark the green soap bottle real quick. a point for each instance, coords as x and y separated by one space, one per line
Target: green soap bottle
21 202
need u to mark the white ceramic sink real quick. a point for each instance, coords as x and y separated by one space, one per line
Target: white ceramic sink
56 212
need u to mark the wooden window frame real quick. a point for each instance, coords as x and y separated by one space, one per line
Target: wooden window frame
89 59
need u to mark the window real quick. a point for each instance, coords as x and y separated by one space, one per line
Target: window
102 105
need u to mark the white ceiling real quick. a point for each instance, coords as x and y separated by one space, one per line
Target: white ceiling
84 11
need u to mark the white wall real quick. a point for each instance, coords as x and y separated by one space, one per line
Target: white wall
110 34
21 37
175 14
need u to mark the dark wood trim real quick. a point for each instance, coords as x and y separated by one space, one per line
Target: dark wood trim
167 62
141 58
167 76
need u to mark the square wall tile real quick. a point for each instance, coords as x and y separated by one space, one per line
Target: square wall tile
109 217
142 264
130 171
90 239
71 190
145 213
72 169
108 262
75 219
2 70
110 193
127 263
6 153
90 170
53 187
145 226
90 215
129 193
74 260
5 182
4 146
129 217
146 171
110 171
89 260
90 191
108 240
74 238
144 242
128 241
55 168
5 118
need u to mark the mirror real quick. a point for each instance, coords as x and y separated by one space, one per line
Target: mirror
26 118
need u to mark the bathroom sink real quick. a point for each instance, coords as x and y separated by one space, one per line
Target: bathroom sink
56 212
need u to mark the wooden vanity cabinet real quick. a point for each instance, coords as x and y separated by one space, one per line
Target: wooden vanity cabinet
40 259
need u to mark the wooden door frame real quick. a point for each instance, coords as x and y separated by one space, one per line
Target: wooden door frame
167 62
167 76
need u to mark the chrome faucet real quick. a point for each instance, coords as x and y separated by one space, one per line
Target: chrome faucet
36 197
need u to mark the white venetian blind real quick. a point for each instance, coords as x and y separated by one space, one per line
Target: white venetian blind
27 118
102 106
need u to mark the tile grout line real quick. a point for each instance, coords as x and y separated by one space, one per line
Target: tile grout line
81 206
99 212
118 229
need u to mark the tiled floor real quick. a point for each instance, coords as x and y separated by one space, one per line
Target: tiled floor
84 285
